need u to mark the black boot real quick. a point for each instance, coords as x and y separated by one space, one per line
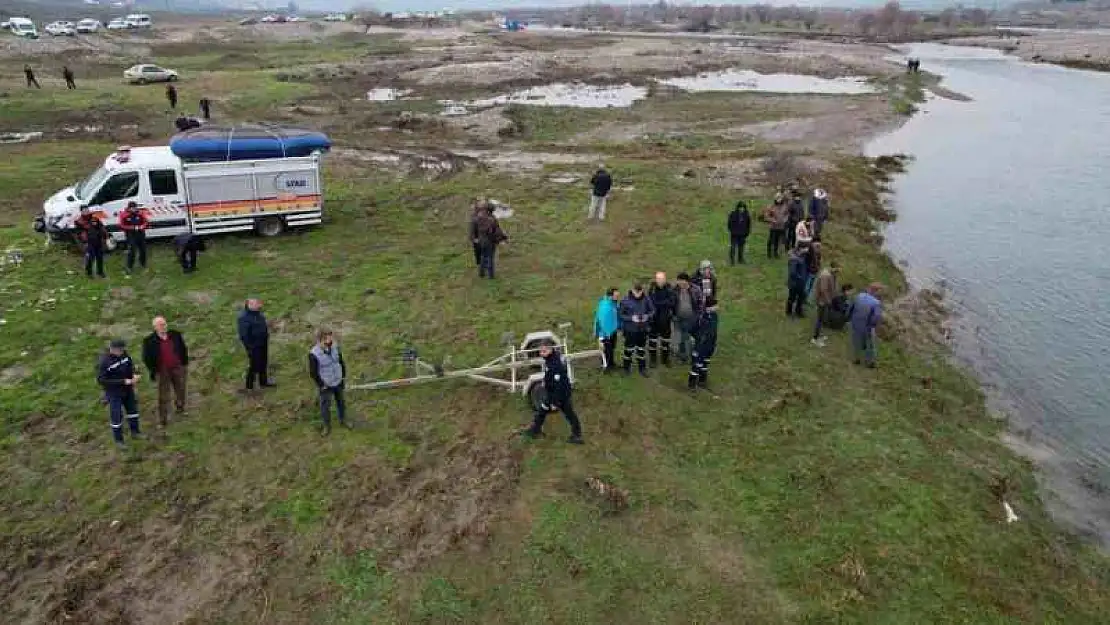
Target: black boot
627 366
665 357
652 358
703 380
692 382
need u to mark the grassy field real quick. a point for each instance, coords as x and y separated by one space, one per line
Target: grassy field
803 490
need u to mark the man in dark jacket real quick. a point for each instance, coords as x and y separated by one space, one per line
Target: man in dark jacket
688 307
637 311
557 390
328 371
184 123
706 280
704 347
819 210
134 221
739 227
167 359
254 334
95 236
171 96
663 298
490 235
67 74
188 245
602 183
796 275
117 376
31 80
206 108
795 212
478 211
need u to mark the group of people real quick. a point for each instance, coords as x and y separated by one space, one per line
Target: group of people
92 234
33 81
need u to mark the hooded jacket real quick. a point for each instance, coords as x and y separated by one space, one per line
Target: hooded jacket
606 318
556 382
796 271
95 235
664 299
740 223
818 208
253 331
636 313
602 183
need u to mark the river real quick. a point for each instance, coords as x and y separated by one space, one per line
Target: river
1005 206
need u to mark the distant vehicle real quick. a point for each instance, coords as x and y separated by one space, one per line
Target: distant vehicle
272 19
93 2
248 21
336 17
23 27
143 74
61 29
294 18
117 24
138 20
88 25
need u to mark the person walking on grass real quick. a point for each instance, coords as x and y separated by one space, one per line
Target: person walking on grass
326 367
739 227
557 396
477 214
819 210
687 310
776 215
167 360
171 96
606 324
705 345
663 298
796 274
254 334
30 75
67 75
865 315
206 109
489 236
636 312
117 376
602 183
95 236
134 221
826 290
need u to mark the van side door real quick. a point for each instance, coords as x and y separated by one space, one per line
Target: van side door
168 215
112 196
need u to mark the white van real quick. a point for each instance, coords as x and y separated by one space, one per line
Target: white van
23 27
265 196
138 20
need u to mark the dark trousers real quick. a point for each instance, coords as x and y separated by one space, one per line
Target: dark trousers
485 263
685 336
795 300
32 82
188 260
608 346
791 234
327 396
258 365
567 409
206 112
736 249
822 310
171 385
70 84
120 405
635 348
659 342
172 100
94 255
818 224
136 245
774 240
699 370
477 254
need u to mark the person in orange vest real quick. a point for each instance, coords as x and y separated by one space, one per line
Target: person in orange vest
134 221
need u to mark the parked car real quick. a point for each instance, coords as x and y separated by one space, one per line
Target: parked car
272 19
23 27
61 29
248 21
88 25
294 18
336 17
118 24
142 74
139 20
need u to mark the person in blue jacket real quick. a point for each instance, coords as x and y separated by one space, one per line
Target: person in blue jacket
254 334
865 314
557 391
797 272
704 347
117 375
606 325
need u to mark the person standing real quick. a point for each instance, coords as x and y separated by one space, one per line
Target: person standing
254 334
663 299
795 211
490 235
776 215
31 80
636 311
825 294
819 210
704 347
134 222
865 314
167 359
326 367
96 241
602 183
606 324
171 96
557 388
796 273
802 233
67 74
477 214
206 109
706 280
813 265
117 376
739 227
188 245
688 307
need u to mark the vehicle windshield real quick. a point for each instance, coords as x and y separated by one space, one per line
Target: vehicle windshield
85 189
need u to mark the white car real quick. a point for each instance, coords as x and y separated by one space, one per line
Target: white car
336 17
294 18
60 29
87 26
269 19
117 24
142 74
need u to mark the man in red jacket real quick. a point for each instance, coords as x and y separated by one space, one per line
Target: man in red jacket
134 222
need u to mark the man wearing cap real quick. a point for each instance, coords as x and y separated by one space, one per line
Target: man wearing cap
167 359
818 210
116 375
254 334
326 367
134 222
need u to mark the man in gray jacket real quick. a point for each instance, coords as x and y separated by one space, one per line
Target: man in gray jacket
325 365
688 307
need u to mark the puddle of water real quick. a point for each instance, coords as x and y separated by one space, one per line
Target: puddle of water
558 94
386 94
747 80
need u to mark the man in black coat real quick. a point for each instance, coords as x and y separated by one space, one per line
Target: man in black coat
167 359
664 298
739 227
636 312
557 389
188 245
254 334
704 347
602 183
795 212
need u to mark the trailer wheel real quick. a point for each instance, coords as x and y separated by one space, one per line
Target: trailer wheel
536 395
269 226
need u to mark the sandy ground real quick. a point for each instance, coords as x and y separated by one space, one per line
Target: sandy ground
1051 47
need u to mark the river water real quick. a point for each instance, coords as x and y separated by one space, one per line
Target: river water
1006 206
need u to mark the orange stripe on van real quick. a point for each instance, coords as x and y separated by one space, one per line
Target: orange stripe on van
266 205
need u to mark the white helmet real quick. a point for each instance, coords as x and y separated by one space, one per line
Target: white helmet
820 194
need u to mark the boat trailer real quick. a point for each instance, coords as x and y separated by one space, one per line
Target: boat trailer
522 363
